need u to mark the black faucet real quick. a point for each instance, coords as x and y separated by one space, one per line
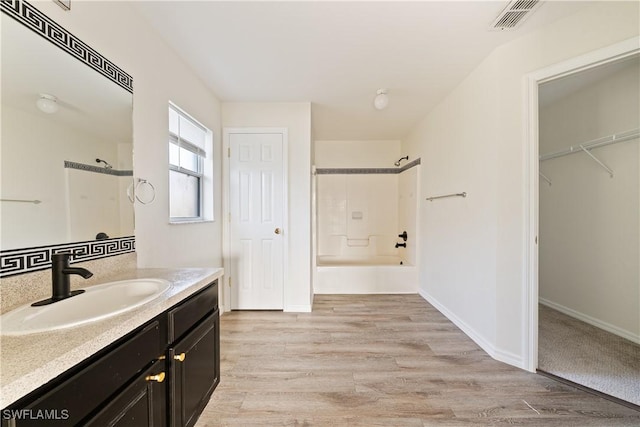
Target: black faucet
60 272
401 245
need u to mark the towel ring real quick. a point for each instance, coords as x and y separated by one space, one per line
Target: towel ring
133 191
153 191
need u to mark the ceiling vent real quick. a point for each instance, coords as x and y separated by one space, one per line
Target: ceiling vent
514 14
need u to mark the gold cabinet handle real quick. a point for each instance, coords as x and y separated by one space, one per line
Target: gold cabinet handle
159 378
277 231
180 357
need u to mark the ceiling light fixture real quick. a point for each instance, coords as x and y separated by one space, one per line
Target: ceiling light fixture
381 100
47 103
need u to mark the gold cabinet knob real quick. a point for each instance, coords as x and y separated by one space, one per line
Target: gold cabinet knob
277 231
180 357
159 378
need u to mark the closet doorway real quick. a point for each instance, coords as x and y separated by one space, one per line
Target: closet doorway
589 228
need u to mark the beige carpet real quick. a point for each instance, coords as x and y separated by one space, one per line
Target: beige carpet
584 354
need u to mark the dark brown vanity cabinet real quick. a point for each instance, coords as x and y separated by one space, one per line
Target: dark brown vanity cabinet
194 356
162 375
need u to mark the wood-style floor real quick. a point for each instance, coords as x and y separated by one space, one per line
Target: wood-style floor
381 360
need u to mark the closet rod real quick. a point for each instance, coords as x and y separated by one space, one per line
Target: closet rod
600 142
35 202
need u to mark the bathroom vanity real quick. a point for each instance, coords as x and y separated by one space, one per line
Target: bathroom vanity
156 365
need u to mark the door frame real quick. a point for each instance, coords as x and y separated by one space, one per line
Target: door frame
226 207
531 82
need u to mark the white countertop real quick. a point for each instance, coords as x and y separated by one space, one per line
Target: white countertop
30 361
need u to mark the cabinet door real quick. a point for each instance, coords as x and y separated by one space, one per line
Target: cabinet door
195 371
143 403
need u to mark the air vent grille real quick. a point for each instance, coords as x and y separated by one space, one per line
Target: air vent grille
514 14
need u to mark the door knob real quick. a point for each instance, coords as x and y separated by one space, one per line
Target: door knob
277 231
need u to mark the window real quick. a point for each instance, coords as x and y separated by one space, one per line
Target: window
188 141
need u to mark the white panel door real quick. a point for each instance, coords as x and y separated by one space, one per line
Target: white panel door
256 223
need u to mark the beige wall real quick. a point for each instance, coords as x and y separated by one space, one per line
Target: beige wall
159 76
472 262
296 118
589 233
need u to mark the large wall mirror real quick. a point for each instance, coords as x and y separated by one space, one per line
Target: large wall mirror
66 147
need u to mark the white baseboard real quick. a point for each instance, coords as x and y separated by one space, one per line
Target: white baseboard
302 308
498 354
592 320
290 308
509 358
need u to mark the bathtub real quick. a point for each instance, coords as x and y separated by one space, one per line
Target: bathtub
364 275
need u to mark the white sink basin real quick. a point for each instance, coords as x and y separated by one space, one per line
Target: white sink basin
98 302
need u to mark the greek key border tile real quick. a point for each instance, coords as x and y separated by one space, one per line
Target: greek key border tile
20 261
96 169
42 25
355 171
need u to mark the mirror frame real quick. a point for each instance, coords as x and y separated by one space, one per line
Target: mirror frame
27 260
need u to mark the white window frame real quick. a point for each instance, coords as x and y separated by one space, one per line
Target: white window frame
176 140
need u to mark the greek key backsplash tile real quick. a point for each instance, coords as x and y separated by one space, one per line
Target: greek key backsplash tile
19 261
39 23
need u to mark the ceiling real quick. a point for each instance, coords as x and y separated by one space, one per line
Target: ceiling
337 54
559 88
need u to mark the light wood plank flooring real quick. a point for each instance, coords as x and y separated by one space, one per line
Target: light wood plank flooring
381 360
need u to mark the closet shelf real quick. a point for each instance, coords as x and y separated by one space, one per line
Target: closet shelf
587 146
600 142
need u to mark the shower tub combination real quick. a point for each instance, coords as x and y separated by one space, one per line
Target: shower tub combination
365 230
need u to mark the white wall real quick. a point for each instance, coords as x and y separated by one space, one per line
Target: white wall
159 76
296 117
357 154
589 233
472 262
